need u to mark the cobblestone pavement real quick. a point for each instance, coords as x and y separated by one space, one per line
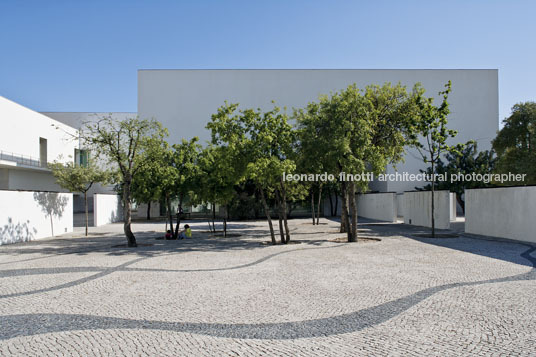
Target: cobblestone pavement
235 296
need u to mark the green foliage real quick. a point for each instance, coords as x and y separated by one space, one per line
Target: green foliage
467 161
77 178
120 142
357 130
431 123
184 164
250 145
153 174
515 143
217 175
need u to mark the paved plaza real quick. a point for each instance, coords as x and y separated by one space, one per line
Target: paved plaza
236 296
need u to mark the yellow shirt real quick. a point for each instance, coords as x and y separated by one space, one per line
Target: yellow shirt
188 232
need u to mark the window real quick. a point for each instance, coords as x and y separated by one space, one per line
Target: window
84 158
43 152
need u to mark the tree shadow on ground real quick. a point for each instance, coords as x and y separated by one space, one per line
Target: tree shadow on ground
505 250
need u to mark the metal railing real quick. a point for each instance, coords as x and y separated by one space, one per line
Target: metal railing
22 159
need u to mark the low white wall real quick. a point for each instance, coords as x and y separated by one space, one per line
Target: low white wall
142 210
380 206
506 212
29 215
106 209
400 204
417 209
452 206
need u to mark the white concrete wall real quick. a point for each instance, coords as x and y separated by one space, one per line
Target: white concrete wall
142 210
20 133
22 128
184 100
78 119
506 212
26 215
418 211
380 206
106 209
33 179
452 206
400 204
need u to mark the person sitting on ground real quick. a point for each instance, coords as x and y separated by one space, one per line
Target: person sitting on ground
168 234
186 233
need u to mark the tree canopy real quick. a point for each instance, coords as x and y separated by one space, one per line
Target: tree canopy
120 143
515 143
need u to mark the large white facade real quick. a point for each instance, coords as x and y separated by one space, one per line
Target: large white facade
28 141
184 100
79 119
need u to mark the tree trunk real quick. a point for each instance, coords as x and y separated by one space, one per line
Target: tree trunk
209 226
127 208
149 210
330 202
225 222
280 217
433 201
214 217
290 208
268 216
177 227
353 212
336 204
344 213
87 212
319 200
313 205
461 202
170 216
284 207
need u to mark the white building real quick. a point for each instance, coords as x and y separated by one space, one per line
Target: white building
28 141
32 205
184 100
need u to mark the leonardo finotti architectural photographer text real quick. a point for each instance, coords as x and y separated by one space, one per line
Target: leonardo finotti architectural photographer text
406 177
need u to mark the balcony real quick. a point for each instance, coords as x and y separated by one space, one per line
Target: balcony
11 159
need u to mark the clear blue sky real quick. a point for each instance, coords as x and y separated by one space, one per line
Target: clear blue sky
83 55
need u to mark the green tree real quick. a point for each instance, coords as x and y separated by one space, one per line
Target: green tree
121 142
184 163
515 143
216 178
311 153
79 178
465 161
358 131
167 173
255 145
147 181
156 177
431 123
270 150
